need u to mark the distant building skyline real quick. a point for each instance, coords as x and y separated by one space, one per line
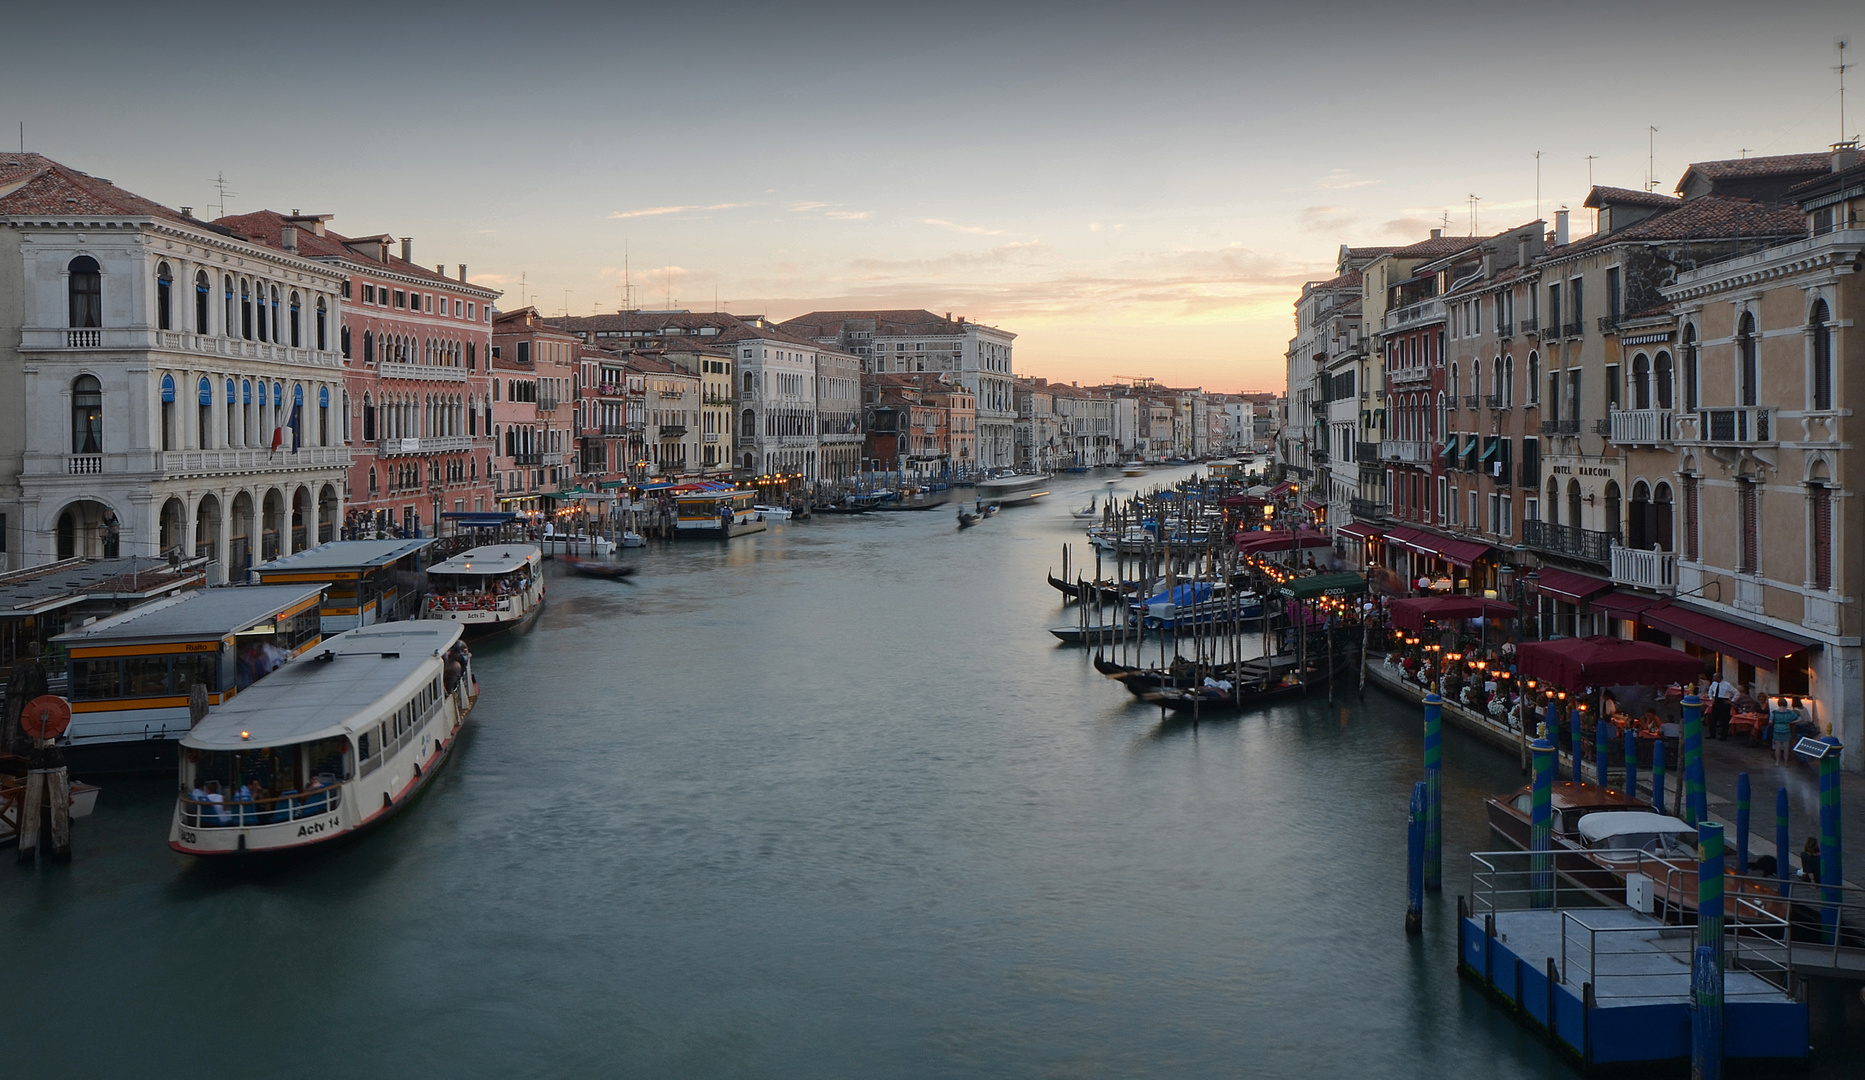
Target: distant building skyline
1134 190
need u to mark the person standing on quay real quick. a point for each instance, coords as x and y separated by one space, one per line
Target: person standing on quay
1722 707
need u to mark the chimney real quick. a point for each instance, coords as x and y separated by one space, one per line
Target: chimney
462 271
407 249
1521 250
1845 155
441 269
288 237
948 316
1437 234
187 211
1560 228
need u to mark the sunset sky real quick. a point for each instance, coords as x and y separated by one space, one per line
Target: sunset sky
1134 189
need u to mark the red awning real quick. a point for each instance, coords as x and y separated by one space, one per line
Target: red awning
1604 661
1241 500
1282 489
1266 543
1311 506
1358 530
1748 644
1461 552
1625 605
1569 586
1403 535
1412 612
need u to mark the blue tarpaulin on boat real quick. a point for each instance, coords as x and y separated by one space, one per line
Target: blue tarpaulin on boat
1192 592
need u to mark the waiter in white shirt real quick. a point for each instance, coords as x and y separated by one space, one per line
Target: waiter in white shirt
1722 707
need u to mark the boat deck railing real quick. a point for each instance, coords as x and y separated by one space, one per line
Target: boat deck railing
246 813
1598 948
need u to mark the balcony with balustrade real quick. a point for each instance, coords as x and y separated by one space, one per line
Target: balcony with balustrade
1415 314
1747 425
1472 400
431 444
1560 427
390 369
1655 570
123 339
1495 401
1406 451
1406 376
1366 510
1588 545
237 462
1530 326
1640 427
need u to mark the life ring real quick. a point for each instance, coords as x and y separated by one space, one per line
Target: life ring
46 716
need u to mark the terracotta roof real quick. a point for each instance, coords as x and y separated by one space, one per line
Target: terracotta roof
32 184
1601 196
643 322
268 227
1779 165
1711 217
893 322
1830 183
1438 248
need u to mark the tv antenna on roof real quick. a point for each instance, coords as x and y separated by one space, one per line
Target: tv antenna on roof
220 184
1474 199
1841 69
1651 159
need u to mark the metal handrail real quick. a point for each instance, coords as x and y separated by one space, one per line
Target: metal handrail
202 814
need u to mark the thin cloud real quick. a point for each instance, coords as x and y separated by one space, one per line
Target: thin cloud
974 230
658 211
799 207
1326 219
849 215
1341 180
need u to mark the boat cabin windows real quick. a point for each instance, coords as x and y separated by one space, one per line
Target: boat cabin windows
160 676
263 648
263 785
391 733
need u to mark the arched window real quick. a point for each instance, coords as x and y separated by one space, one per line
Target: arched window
87 415
85 289
1638 527
233 422
343 335
1660 530
259 298
246 309
1822 349
202 289
369 347
1552 507
1508 381
323 329
1613 500
748 423
1641 381
1534 378
1746 365
204 416
1661 379
1690 367
278 331
1454 376
164 297
369 418
750 384
297 336
372 479
1573 504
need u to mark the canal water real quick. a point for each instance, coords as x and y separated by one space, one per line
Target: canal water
826 801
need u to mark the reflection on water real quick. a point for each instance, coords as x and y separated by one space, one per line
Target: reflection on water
824 801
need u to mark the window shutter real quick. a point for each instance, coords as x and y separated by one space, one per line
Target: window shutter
1691 552
1822 538
1748 561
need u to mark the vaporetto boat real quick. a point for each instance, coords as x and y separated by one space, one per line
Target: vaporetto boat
487 589
1010 490
328 745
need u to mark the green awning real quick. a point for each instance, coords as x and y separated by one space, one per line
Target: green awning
1450 446
1311 588
1495 445
610 485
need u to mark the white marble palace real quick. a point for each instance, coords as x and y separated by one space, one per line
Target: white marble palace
166 386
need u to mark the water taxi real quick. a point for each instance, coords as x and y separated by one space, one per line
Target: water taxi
716 515
1011 490
487 589
331 744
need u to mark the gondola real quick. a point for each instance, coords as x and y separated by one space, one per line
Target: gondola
966 521
590 568
1210 701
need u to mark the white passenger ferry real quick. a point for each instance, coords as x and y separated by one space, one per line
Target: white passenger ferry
328 745
486 589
